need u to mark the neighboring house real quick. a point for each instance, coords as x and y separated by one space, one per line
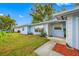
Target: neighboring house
65 24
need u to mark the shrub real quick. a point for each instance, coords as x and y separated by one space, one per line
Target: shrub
43 34
2 34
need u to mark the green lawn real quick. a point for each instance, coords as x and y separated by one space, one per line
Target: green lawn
14 44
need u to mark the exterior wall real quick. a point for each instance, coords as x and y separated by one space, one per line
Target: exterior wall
57 33
78 35
29 29
69 31
73 31
21 30
33 29
45 26
16 29
24 31
75 41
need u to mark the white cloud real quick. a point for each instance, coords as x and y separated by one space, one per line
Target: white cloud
59 4
21 16
1 14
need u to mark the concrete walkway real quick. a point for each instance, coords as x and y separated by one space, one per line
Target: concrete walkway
58 40
46 49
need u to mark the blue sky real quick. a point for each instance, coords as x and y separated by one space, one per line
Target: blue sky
20 11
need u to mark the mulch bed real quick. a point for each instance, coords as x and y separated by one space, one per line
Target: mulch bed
63 49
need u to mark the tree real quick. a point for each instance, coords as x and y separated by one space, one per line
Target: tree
6 22
63 9
41 12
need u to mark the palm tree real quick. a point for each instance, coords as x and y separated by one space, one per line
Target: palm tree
63 9
42 12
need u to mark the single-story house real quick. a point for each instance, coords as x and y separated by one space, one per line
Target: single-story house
64 24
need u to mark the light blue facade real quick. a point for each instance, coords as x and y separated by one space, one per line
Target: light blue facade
75 30
24 31
58 33
29 29
78 33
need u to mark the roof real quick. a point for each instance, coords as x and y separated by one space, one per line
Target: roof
41 23
21 26
60 13
76 9
46 22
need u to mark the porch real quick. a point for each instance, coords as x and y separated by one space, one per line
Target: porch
57 32
57 29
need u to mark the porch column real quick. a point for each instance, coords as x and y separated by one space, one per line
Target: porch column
49 29
46 28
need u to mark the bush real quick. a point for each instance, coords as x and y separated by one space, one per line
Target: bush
30 34
2 34
43 34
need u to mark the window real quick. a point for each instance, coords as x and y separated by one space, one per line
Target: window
57 28
36 30
39 29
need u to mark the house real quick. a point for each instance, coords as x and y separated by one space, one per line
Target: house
64 24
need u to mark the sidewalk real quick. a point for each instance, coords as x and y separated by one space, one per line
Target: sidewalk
46 50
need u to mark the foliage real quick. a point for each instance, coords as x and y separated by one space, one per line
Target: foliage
63 9
43 34
6 22
41 12
2 34
15 44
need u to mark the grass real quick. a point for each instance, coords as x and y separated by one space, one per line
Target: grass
14 44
